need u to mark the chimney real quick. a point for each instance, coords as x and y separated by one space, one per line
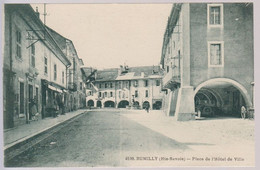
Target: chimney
37 12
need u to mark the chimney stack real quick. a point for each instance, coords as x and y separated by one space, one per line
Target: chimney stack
37 12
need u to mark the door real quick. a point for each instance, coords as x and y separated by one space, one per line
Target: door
30 99
21 98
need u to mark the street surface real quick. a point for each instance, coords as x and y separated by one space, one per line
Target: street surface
125 138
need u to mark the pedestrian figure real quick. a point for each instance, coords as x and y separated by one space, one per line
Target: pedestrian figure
147 108
243 112
34 113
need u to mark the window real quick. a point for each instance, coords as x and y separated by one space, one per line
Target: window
33 55
55 72
136 83
158 82
136 93
111 94
119 85
111 85
100 85
145 83
215 15
105 94
119 94
45 65
167 69
80 84
105 85
215 54
63 77
99 94
18 44
146 93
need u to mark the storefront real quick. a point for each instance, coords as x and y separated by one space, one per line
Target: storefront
53 99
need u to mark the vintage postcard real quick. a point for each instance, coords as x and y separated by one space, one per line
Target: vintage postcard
128 85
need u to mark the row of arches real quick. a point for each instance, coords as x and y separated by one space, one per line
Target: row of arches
123 104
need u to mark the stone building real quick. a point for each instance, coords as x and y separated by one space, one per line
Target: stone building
31 57
124 87
208 59
75 96
35 66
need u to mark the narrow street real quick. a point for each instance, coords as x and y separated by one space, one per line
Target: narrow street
97 138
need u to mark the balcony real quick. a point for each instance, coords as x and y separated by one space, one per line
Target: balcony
172 79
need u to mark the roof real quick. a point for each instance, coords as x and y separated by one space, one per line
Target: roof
146 70
141 72
107 74
112 74
35 23
88 70
62 42
58 38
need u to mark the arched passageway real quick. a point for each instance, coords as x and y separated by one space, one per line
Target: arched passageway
90 103
123 104
157 105
146 104
109 104
99 104
220 97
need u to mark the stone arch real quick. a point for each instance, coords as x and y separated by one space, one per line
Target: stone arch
109 103
123 104
99 104
146 103
241 88
90 102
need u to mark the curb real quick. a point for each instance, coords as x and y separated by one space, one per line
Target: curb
13 149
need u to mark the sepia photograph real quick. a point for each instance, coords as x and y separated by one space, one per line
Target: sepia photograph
128 84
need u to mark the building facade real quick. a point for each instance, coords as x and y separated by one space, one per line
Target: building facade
126 87
35 67
75 94
208 60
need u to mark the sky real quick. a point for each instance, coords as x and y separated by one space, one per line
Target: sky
110 35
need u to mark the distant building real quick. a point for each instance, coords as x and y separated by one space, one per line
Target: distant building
75 96
208 59
123 87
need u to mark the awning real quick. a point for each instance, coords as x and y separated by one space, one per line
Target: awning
54 88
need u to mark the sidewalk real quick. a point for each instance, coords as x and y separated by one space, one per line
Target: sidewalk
26 131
